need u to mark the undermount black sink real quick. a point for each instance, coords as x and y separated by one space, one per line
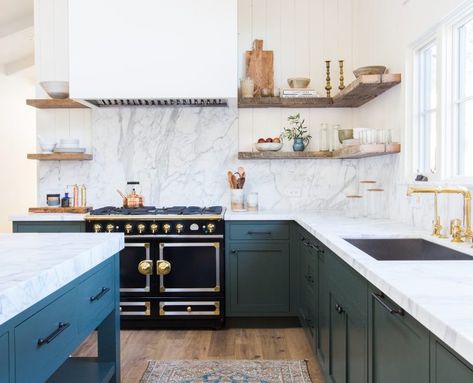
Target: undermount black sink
407 249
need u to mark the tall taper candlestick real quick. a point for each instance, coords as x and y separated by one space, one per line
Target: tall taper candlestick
341 86
328 87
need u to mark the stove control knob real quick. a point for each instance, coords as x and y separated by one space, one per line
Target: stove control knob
97 227
154 228
128 228
210 228
179 228
109 228
141 228
166 228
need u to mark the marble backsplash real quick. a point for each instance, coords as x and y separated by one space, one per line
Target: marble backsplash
181 156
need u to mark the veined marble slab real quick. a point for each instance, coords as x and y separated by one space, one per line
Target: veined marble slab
33 266
32 217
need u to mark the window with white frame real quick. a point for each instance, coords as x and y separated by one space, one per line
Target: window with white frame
427 108
443 99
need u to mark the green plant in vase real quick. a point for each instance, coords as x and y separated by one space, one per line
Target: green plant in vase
297 132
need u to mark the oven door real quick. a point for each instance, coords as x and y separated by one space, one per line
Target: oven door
189 267
136 267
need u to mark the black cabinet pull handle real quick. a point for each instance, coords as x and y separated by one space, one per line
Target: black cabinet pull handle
338 308
379 297
259 233
99 296
61 327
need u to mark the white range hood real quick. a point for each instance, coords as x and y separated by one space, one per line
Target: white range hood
153 52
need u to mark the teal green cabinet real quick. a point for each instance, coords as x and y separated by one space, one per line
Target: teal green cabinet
4 358
324 311
48 227
399 345
446 366
259 278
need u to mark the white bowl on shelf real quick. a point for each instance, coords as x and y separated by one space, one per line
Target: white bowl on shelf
47 147
69 143
56 89
268 146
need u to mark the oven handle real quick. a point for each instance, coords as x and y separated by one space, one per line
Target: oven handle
259 233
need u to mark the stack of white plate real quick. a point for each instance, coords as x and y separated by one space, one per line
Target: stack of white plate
68 145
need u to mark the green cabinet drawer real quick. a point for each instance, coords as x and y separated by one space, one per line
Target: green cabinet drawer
447 367
48 227
44 340
4 359
259 278
96 298
258 230
399 345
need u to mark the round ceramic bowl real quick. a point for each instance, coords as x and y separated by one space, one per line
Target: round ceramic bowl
298 82
56 89
269 146
47 147
372 69
68 143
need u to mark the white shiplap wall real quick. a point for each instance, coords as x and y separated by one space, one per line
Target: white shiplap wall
302 34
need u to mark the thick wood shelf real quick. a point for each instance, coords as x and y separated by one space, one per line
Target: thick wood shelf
349 152
359 92
60 156
62 210
51 103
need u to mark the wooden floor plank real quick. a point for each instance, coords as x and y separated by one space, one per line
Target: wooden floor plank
138 347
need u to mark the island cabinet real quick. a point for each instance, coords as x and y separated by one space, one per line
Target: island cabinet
260 271
48 227
37 343
399 345
447 366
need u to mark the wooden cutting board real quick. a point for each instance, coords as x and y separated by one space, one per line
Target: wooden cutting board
69 210
259 67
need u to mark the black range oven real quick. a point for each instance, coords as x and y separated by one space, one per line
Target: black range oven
172 271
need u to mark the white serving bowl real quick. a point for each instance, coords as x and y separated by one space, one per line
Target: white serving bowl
47 147
268 146
56 89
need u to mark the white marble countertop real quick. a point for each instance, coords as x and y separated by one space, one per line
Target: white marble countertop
439 294
32 217
33 266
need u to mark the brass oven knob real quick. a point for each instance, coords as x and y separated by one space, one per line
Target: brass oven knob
154 228
110 228
145 267
128 228
97 227
211 228
166 228
163 267
189 309
141 228
179 228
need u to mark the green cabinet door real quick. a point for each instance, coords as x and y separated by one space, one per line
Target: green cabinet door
49 227
323 338
4 359
259 278
348 342
447 367
399 345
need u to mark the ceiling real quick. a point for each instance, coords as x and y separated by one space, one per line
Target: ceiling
16 35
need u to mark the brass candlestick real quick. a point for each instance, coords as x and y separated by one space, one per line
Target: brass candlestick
328 87
341 86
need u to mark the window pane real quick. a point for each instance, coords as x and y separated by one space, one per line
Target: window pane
466 60
430 69
465 144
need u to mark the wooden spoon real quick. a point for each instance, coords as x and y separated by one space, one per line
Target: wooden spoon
230 179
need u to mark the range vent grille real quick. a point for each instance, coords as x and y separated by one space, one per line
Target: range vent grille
165 103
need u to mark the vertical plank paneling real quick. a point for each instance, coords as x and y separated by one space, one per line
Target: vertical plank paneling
259 19
273 37
61 40
288 33
244 33
316 46
301 38
245 130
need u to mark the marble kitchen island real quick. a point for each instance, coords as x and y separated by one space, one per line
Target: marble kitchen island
55 289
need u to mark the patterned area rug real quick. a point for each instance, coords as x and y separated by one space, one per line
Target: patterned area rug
226 371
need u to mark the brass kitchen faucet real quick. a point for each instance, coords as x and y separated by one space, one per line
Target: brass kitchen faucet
456 230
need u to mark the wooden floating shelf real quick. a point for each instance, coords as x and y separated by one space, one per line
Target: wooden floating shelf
60 156
349 152
359 92
51 103
63 210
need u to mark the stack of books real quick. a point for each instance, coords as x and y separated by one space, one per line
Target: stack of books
299 93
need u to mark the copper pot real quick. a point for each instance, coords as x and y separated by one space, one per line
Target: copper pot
132 200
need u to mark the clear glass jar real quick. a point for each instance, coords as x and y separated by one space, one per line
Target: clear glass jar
252 201
376 203
354 206
364 186
324 131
